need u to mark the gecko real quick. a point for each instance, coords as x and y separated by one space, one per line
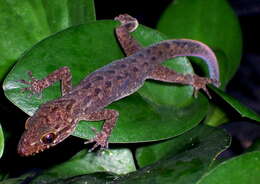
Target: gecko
55 120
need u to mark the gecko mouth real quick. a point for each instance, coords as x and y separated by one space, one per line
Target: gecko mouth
28 152
29 149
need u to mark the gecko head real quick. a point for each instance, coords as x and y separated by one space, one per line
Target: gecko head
50 125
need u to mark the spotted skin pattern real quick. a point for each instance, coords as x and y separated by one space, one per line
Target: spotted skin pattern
56 120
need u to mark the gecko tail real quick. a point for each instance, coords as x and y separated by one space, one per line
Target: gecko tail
187 47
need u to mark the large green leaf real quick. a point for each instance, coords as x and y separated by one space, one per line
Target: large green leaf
186 142
217 116
240 108
23 23
97 178
26 177
88 47
1 141
118 161
238 170
210 21
183 166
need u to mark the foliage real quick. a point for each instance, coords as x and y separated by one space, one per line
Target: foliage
176 147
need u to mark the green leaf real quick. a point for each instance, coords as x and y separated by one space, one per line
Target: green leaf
3 175
81 11
239 170
182 166
185 164
186 142
18 180
210 21
97 178
88 47
90 14
24 23
1 141
216 116
118 161
240 108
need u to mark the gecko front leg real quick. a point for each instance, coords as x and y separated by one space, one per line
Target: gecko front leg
101 138
37 86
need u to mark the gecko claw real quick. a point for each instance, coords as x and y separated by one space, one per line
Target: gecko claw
94 130
201 83
100 139
205 90
35 85
31 75
128 21
94 147
24 81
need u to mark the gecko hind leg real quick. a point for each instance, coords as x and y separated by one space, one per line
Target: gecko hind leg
101 138
165 74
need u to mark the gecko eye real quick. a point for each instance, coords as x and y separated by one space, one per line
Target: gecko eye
48 138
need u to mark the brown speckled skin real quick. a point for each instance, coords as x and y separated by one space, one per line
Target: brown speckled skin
57 119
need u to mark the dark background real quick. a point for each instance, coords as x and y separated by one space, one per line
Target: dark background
245 86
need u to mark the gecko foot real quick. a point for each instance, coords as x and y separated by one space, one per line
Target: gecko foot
101 140
128 21
201 83
35 86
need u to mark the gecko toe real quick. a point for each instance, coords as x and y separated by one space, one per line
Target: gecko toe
207 92
24 81
94 130
89 141
94 147
101 141
195 93
127 21
30 74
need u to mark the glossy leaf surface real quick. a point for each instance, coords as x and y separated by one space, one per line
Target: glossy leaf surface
239 170
239 107
24 23
192 139
117 161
